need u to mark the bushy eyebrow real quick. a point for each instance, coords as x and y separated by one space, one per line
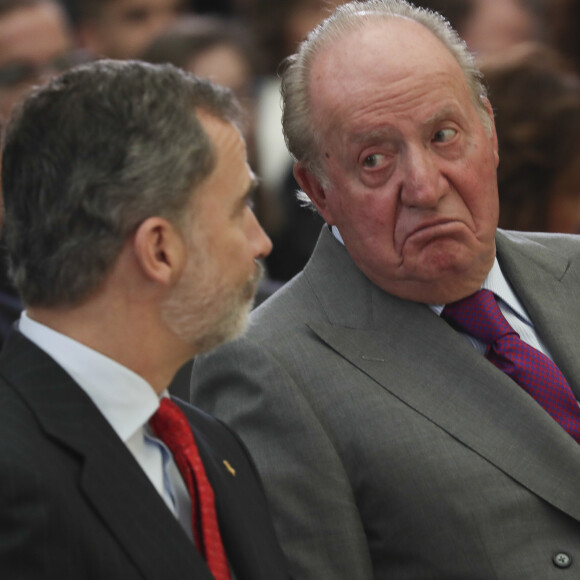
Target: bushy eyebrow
390 133
378 135
448 112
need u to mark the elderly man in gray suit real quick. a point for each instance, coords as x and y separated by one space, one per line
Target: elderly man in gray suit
396 428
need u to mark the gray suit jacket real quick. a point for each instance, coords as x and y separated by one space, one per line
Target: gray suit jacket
389 447
75 505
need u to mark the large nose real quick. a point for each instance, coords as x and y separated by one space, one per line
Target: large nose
423 183
261 243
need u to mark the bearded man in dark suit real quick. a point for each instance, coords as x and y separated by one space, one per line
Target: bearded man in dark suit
133 247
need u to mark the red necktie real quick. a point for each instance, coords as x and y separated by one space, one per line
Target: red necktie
480 316
171 426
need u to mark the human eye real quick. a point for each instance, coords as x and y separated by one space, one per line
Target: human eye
444 135
245 203
249 202
374 160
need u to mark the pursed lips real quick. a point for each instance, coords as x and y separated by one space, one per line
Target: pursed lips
430 224
432 228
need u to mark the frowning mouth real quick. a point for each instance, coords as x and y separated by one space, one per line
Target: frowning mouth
433 227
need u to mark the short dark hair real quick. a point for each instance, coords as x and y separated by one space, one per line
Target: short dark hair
88 158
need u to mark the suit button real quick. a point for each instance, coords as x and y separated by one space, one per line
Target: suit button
562 560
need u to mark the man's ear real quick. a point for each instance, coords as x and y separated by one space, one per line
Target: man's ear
160 250
311 185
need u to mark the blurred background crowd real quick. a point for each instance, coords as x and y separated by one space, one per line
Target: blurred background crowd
528 50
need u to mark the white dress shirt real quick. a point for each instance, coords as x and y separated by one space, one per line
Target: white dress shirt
127 401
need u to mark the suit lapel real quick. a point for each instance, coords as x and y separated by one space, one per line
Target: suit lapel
547 284
245 526
401 346
111 480
237 530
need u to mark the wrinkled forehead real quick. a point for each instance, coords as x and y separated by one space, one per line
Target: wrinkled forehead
384 50
394 70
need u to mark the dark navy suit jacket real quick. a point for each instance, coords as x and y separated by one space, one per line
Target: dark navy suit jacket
74 503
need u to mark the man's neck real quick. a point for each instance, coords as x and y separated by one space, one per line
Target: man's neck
134 340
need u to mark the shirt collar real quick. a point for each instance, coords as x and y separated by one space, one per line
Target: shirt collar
125 399
497 283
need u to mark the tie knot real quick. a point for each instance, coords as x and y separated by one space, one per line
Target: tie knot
170 424
478 315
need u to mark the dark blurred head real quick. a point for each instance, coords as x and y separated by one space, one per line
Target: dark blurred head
536 98
281 26
208 47
34 44
120 28
565 28
457 12
497 25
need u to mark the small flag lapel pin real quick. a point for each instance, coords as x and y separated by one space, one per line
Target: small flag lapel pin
229 467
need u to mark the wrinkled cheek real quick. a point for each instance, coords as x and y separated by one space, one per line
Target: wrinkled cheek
488 218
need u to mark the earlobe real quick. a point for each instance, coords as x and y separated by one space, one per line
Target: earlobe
159 250
311 185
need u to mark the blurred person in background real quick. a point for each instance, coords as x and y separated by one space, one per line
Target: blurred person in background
212 48
281 26
456 12
35 44
496 25
225 8
565 29
536 99
120 29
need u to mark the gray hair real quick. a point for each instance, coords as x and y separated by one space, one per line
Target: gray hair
298 125
88 158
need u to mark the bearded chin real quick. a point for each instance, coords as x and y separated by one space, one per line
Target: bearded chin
234 319
208 316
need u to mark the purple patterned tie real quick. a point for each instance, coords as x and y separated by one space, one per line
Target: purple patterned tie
480 316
